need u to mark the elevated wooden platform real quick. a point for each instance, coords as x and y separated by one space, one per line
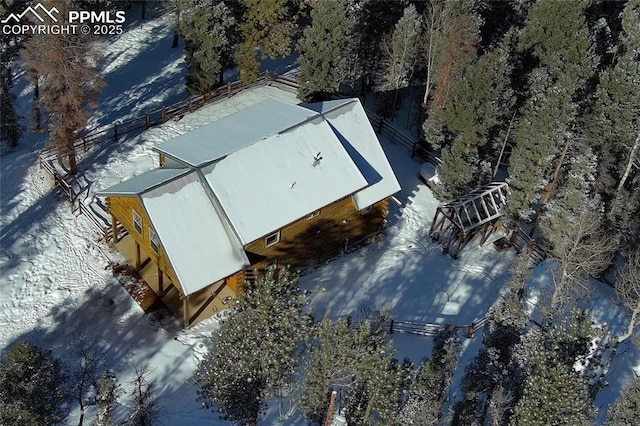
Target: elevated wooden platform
455 223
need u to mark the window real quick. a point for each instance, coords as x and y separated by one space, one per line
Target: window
272 239
271 264
137 222
314 214
366 210
154 241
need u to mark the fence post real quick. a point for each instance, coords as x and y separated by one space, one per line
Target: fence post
391 327
163 115
228 89
413 149
380 125
266 78
115 132
146 121
471 330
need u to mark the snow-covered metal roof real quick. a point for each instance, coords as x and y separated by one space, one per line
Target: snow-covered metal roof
350 120
143 182
253 172
198 243
282 178
234 132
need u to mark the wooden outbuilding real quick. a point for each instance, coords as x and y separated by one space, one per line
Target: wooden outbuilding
272 185
455 223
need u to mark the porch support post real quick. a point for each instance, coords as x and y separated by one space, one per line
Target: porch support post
160 282
138 262
114 228
185 311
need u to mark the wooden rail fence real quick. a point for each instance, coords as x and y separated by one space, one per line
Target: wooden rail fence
431 330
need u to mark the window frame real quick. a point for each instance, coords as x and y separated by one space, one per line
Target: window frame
271 264
273 236
154 240
313 214
367 209
138 222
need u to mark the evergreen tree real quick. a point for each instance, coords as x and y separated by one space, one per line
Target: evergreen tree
207 31
400 51
369 21
552 393
322 50
562 372
624 410
255 349
425 394
33 387
268 28
614 130
493 380
106 398
357 362
66 65
557 42
458 47
9 128
468 126
573 232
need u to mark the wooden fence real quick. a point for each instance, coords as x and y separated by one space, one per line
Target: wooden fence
430 330
120 129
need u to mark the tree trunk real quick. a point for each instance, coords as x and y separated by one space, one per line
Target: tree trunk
632 155
37 117
550 188
176 33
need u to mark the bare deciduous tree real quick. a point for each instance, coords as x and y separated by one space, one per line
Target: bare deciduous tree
628 287
582 250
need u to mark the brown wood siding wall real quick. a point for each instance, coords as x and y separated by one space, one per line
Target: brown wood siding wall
122 209
305 242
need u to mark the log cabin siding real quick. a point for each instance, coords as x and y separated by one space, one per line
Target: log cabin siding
308 241
122 209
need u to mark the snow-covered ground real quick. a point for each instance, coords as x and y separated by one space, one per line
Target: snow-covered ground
55 283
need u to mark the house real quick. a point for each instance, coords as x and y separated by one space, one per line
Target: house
273 184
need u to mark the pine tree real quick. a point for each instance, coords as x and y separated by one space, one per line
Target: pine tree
552 392
255 349
268 28
357 362
624 410
400 52
106 397
469 125
322 50
369 21
207 31
33 387
9 128
425 394
557 41
492 382
614 129
459 47
66 65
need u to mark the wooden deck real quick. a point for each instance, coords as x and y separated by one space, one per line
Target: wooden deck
142 290
146 288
